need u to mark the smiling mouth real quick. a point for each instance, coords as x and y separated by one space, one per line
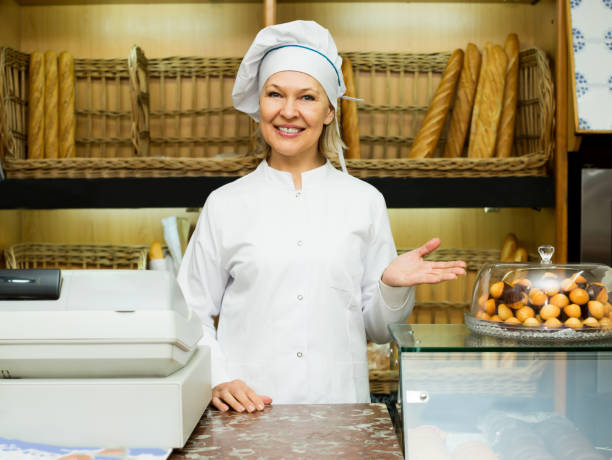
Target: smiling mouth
286 130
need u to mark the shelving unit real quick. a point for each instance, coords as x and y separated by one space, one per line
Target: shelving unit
105 30
531 192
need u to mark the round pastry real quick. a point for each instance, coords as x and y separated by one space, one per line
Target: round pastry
606 323
590 322
512 320
482 300
523 313
522 282
573 322
490 307
496 290
517 300
549 311
482 315
596 309
496 318
598 292
560 300
537 297
573 310
579 279
504 312
531 321
579 296
553 322
568 284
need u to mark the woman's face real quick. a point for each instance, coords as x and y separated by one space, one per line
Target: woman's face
293 107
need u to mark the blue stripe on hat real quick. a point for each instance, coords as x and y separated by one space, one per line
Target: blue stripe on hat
307 48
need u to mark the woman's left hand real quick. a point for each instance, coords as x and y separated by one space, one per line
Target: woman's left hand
410 269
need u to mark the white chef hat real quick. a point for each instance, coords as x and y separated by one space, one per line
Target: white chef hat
303 46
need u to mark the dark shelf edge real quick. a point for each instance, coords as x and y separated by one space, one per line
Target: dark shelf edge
533 192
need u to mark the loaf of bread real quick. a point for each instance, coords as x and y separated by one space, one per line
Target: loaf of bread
464 102
350 121
51 109
65 64
36 106
508 248
488 102
505 133
429 133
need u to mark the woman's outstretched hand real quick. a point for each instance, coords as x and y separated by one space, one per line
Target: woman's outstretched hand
410 269
239 396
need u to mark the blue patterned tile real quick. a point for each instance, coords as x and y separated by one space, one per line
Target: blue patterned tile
578 40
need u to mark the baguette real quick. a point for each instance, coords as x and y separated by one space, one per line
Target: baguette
505 134
65 64
464 102
429 133
508 248
51 111
36 107
350 120
488 103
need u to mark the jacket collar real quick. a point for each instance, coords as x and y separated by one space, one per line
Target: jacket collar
310 178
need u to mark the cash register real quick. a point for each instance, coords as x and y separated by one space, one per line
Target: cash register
99 358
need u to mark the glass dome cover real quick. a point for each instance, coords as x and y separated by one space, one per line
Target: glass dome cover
542 300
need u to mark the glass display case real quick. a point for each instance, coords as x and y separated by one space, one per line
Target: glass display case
470 396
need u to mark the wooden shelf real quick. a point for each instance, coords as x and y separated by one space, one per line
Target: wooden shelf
500 192
110 2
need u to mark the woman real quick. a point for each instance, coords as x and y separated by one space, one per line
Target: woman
297 258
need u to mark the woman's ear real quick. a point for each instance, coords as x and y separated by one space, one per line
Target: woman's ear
330 115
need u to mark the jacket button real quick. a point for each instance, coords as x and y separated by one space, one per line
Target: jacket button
299 354
299 243
300 297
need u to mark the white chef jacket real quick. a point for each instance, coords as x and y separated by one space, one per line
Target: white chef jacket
294 276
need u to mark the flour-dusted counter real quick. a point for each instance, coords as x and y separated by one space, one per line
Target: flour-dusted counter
348 431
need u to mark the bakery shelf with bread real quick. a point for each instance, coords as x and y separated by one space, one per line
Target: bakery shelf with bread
173 117
404 129
75 256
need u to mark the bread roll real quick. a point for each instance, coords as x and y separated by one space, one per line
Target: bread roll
426 443
505 132
488 103
429 133
508 248
36 106
65 64
520 255
51 109
350 120
464 102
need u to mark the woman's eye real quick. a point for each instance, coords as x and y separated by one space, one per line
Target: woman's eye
273 94
308 97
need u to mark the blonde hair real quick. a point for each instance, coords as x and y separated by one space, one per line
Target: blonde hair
329 141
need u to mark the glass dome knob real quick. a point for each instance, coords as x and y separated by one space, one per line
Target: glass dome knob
546 253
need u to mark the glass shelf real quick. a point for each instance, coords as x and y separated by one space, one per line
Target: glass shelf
417 338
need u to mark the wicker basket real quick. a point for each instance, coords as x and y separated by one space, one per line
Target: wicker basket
120 139
76 256
102 113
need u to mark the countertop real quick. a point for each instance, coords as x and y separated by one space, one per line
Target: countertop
347 431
